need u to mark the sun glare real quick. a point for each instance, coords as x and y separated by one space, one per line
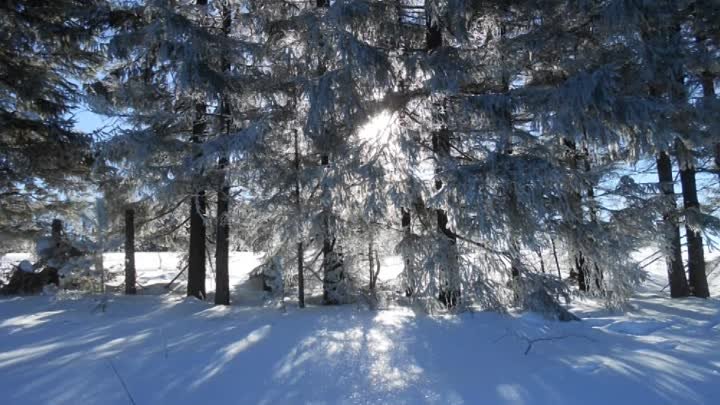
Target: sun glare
378 129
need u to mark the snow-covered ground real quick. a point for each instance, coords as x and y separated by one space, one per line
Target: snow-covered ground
162 348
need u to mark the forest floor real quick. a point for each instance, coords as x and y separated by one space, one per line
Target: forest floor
162 348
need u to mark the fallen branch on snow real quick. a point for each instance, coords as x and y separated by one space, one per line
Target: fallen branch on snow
545 339
127 392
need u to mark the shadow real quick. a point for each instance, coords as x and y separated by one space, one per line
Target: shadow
176 350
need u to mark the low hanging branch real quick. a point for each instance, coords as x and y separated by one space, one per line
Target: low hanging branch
161 214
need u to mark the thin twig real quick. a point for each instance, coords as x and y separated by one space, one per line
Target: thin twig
176 277
127 392
545 339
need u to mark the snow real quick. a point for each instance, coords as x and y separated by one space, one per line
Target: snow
167 349
26 267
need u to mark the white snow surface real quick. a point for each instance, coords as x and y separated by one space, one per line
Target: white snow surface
162 348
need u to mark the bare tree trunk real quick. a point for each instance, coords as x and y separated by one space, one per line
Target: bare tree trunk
298 209
196 261
222 243
130 252
557 262
409 268
696 254
301 277
222 236
57 232
542 262
696 257
371 266
676 271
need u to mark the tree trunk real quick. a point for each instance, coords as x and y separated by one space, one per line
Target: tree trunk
717 158
222 243
130 252
542 262
301 276
57 232
449 278
597 275
405 212
409 268
333 266
371 267
696 255
676 271
196 261
433 34
707 80
579 263
557 262
333 275
222 237
449 293
298 211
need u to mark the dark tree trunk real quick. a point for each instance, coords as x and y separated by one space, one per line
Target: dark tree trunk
581 269
433 34
332 272
707 80
408 261
222 244
130 251
557 262
676 271
196 261
597 275
301 276
222 237
717 158
696 255
332 263
298 210
333 266
697 279
580 265
57 231
371 267
449 278
542 262
449 293
513 207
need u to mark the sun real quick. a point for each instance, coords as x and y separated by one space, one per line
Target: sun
378 129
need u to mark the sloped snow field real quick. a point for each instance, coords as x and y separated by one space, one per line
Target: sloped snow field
162 348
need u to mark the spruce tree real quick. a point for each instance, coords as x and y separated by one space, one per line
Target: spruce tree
49 48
